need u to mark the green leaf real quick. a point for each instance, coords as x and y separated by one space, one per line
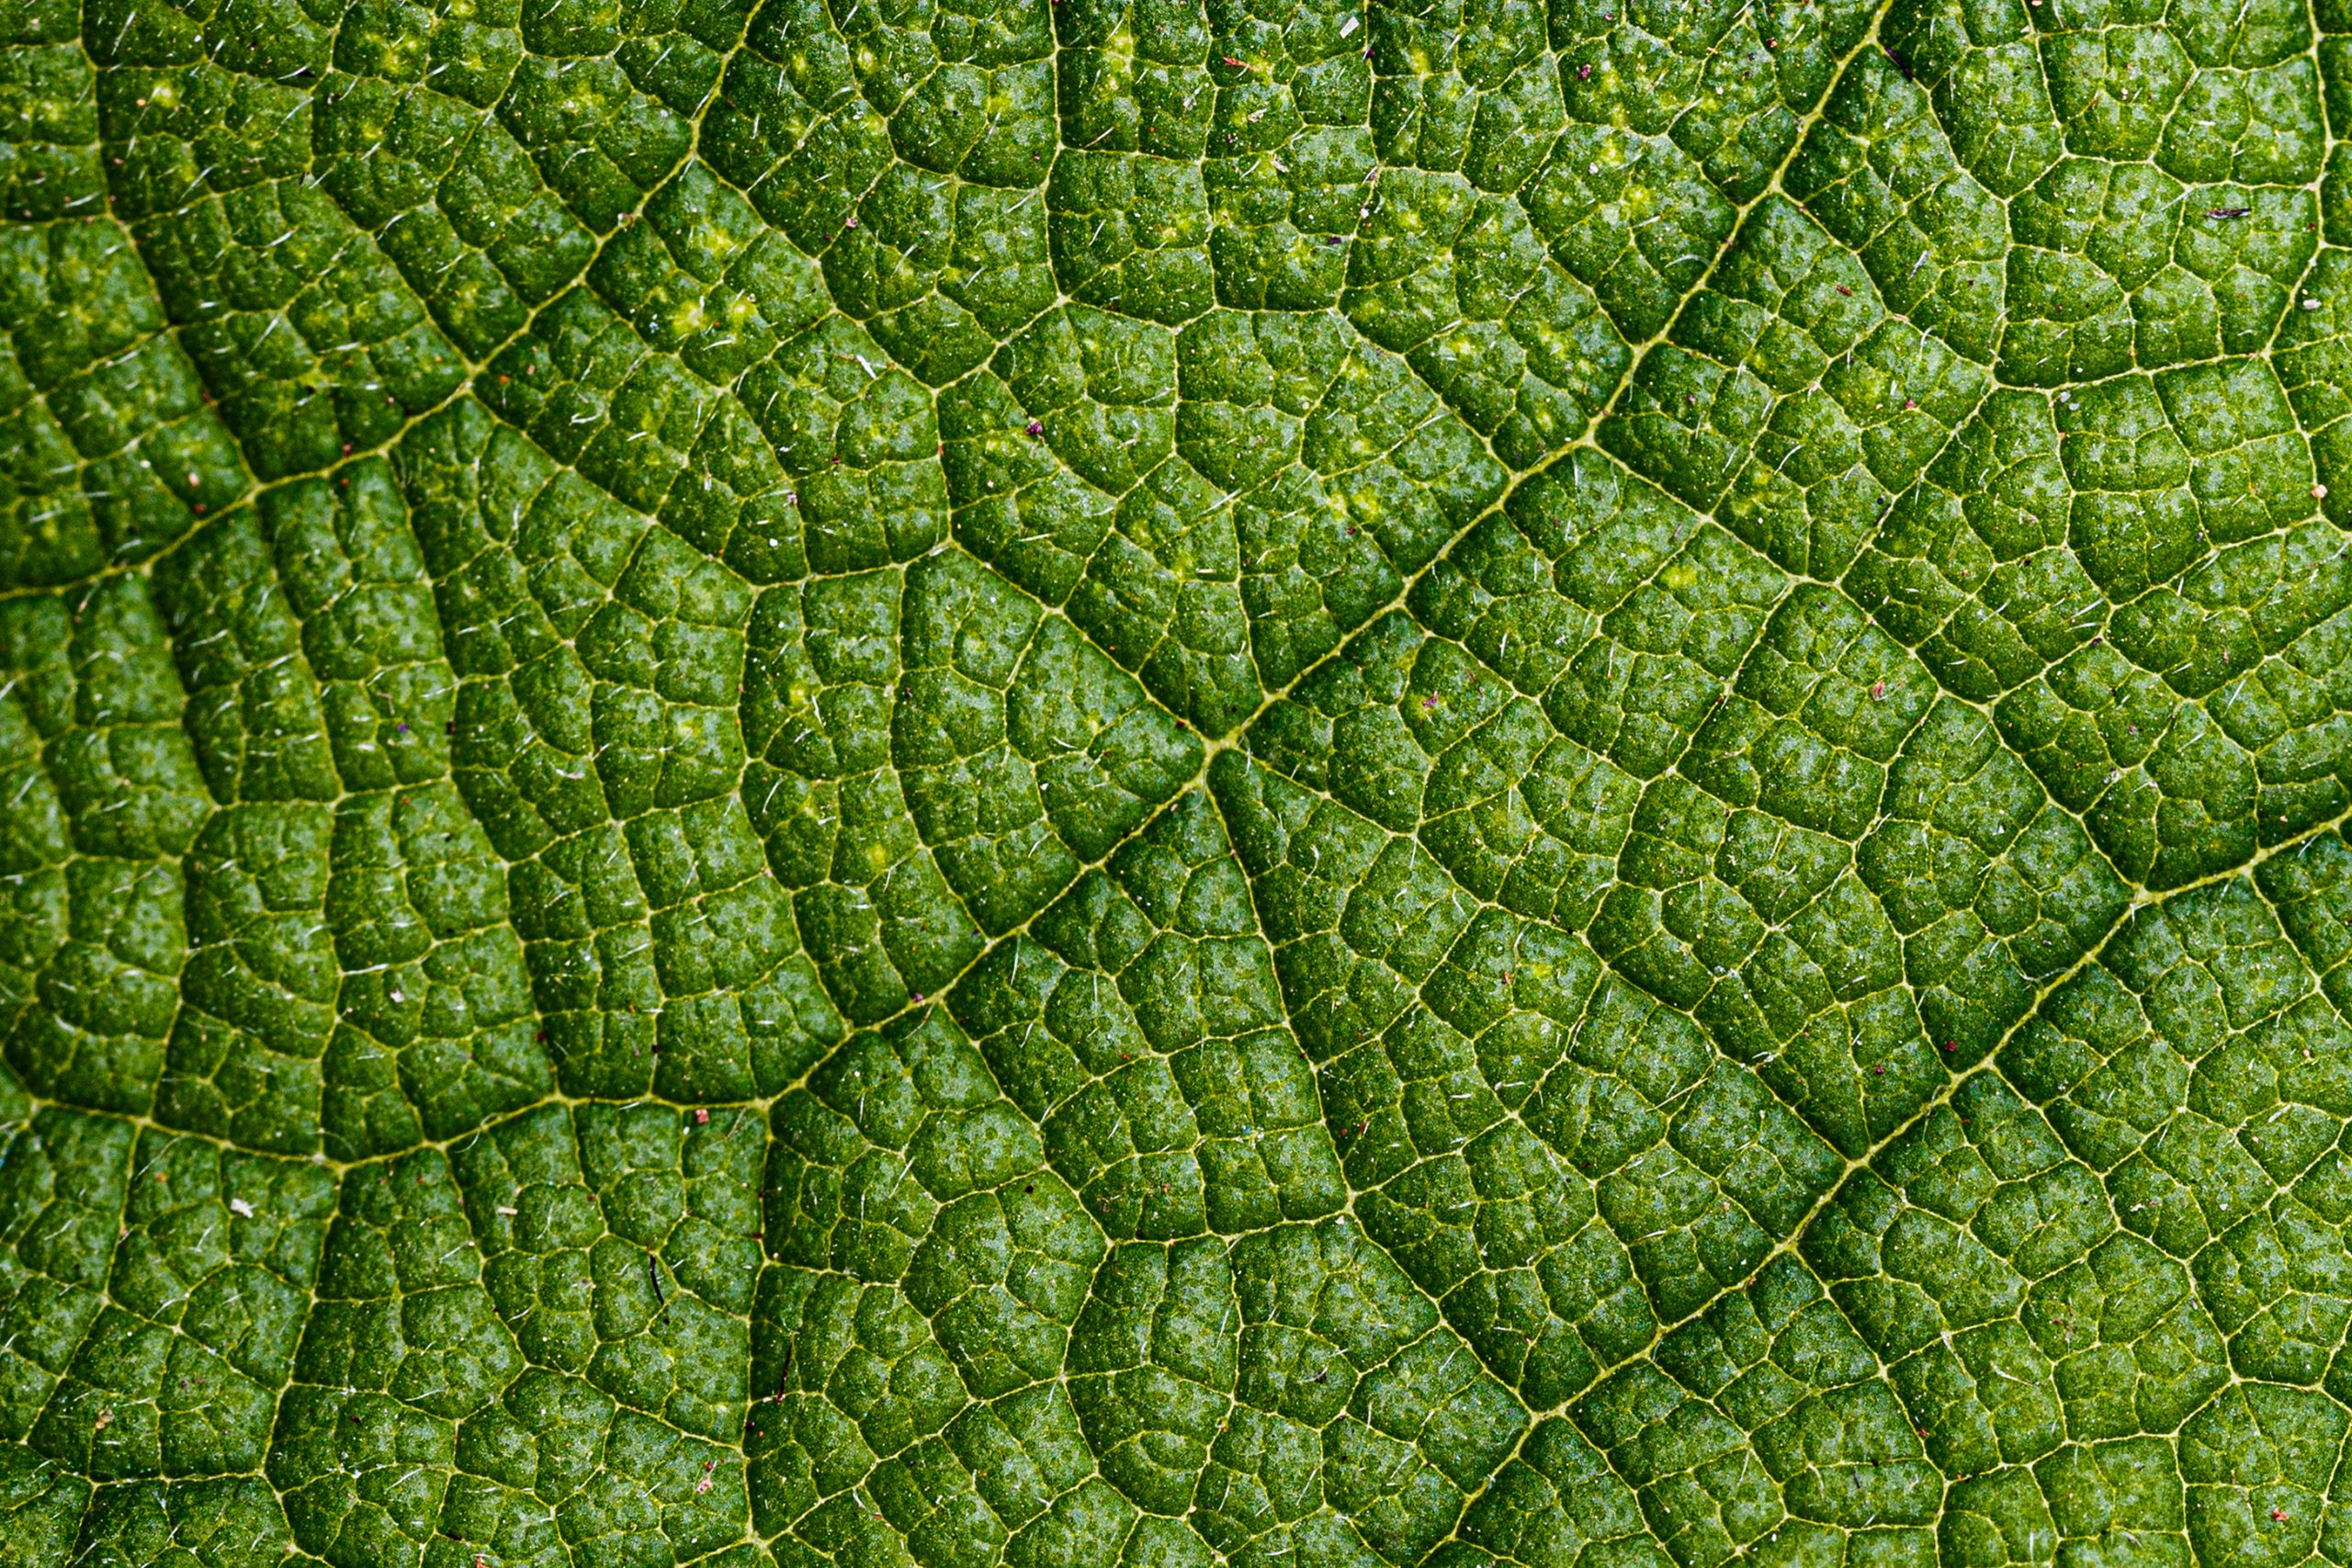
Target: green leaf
1175 784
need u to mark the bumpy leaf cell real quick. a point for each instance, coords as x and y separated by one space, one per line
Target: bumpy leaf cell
1175 784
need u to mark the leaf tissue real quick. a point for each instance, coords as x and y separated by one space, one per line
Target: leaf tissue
1175 784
